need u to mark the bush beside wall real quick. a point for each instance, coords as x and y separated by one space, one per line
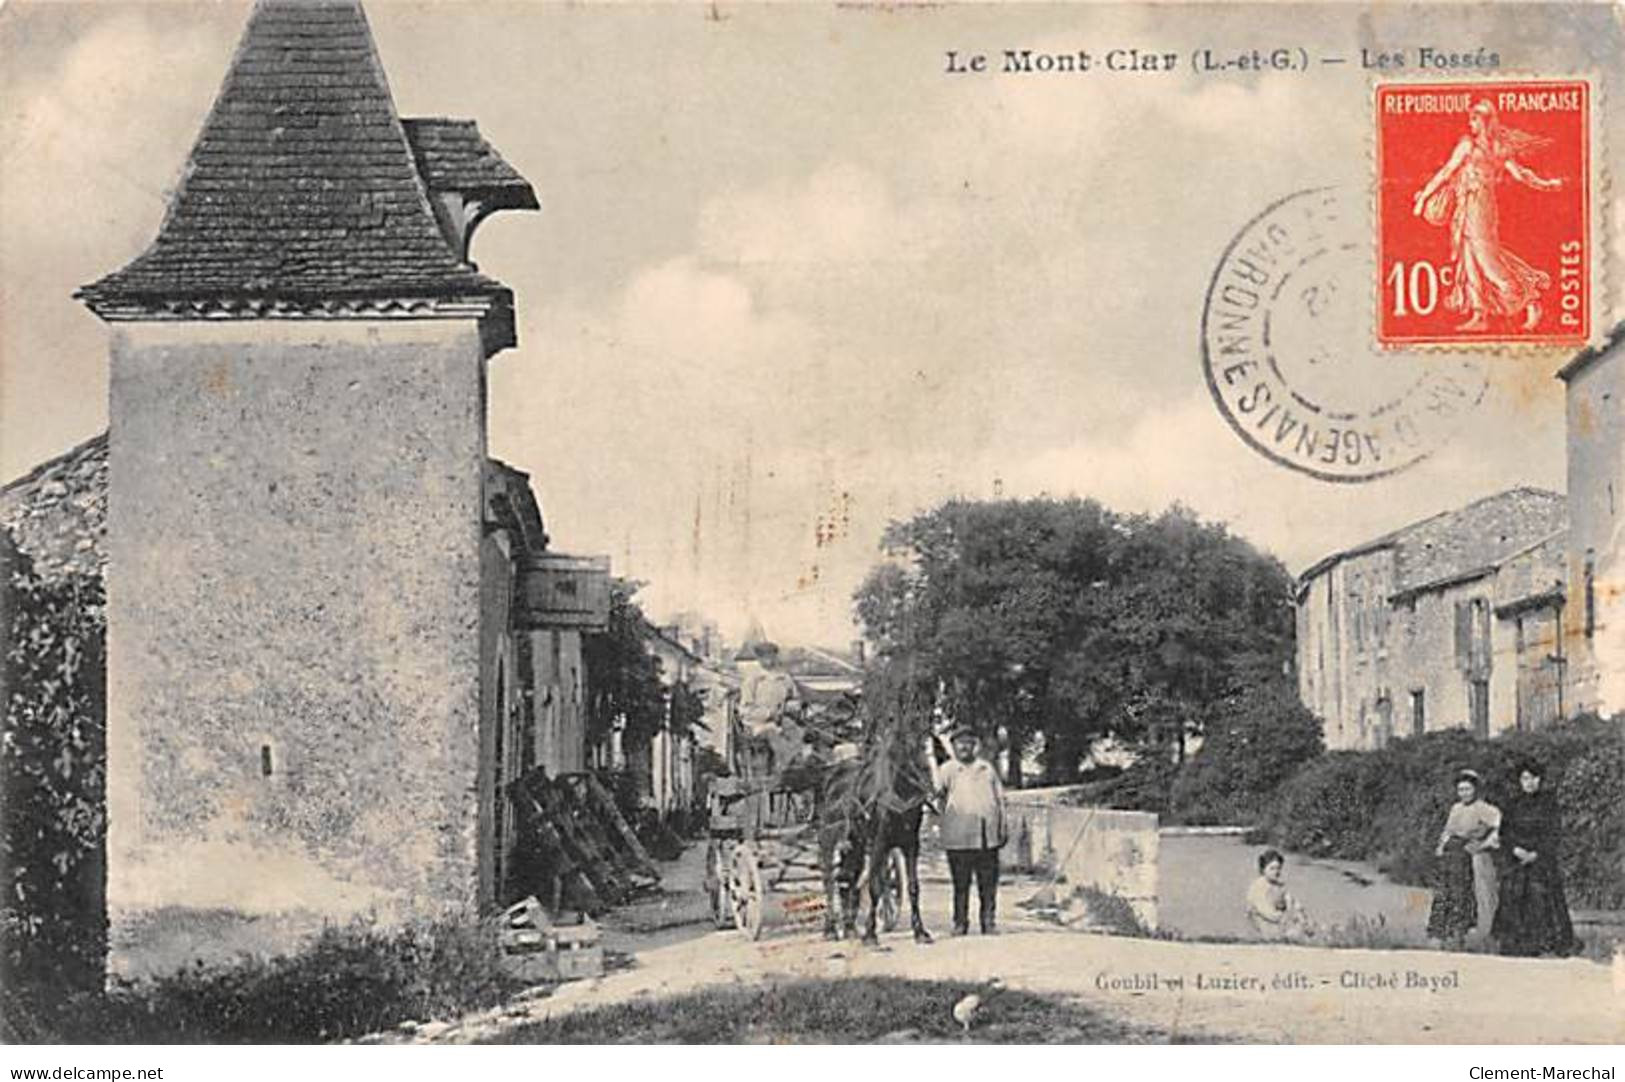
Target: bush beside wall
1388 806
53 926
1254 743
349 982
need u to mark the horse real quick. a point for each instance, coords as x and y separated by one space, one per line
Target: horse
867 806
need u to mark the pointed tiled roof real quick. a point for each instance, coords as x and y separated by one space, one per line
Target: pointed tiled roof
302 189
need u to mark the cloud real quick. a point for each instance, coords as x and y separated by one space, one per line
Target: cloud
839 216
778 287
1011 295
93 140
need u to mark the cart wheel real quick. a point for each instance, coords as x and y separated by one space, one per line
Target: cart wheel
745 891
893 890
716 884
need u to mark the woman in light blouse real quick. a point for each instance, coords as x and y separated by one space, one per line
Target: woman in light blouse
1466 890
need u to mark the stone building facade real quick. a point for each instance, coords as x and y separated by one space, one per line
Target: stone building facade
331 617
1446 623
671 753
1506 614
1594 623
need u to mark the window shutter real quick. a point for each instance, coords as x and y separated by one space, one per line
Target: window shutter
1464 634
1481 637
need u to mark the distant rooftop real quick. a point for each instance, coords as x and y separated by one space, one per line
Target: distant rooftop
57 512
1586 357
1463 541
305 192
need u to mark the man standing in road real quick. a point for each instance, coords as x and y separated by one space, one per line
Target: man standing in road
972 801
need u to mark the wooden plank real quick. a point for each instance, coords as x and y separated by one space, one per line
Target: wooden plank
554 812
605 805
564 873
598 865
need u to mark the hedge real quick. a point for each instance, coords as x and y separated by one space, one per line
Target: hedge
1387 806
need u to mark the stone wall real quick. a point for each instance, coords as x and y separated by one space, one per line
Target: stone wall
1344 629
1112 851
294 603
500 755
1596 480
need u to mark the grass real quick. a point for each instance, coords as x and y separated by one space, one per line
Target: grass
1367 933
347 981
1113 912
859 1010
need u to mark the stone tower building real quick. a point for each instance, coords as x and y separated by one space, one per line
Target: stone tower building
1594 619
316 578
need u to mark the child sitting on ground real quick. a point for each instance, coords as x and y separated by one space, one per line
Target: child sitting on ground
1274 914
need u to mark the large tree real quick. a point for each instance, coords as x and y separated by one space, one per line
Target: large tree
1061 621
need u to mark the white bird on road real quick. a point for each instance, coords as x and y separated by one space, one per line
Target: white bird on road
966 1009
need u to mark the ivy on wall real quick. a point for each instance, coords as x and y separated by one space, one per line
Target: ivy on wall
53 756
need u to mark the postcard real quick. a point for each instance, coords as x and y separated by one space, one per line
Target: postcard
713 523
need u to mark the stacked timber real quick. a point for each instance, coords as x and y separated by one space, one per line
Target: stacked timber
576 849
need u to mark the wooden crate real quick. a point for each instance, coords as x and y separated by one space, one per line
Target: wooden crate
568 952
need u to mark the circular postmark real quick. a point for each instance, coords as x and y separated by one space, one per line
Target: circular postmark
1286 351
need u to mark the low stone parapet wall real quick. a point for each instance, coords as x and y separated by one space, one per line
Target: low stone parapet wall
1112 851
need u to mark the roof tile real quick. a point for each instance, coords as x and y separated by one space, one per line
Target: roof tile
302 183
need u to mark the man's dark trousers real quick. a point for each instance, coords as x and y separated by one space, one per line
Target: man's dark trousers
984 865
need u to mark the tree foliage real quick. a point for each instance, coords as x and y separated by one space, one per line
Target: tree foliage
1066 621
623 675
687 710
52 776
1253 743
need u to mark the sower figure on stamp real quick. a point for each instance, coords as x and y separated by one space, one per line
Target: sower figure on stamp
971 797
1487 277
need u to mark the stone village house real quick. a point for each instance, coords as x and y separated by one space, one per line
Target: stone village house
1508 613
336 626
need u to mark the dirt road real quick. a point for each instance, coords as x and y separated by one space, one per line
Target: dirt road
1261 993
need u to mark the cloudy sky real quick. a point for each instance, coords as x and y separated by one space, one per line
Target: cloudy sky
790 279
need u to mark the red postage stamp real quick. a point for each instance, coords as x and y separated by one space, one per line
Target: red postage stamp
1484 213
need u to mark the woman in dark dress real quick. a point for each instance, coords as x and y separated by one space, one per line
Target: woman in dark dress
1533 917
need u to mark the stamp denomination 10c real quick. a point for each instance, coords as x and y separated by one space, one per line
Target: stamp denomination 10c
1483 204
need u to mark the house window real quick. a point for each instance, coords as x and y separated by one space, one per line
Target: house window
1479 706
1473 636
1419 717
